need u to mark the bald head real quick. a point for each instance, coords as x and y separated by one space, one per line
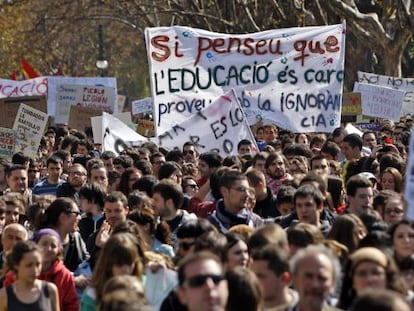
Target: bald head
12 234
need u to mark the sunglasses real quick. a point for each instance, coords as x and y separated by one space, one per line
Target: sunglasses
185 245
188 152
200 280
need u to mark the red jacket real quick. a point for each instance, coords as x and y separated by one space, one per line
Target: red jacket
65 282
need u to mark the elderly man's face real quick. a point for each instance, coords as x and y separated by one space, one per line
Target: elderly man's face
313 280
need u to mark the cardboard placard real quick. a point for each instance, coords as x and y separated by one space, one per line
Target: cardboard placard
80 117
29 126
10 106
351 104
7 142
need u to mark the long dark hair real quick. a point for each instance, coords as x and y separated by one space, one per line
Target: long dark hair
50 217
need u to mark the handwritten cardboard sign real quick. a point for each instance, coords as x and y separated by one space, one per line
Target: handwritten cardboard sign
351 104
95 97
10 106
54 82
80 117
404 84
29 126
381 102
142 105
291 77
145 127
7 142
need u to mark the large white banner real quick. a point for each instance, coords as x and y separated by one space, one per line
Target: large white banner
88 96
404 84
53 83
219 127
29 126
381 102
32 87
292 77
117 136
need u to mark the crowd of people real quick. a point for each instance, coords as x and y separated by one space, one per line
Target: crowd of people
306 222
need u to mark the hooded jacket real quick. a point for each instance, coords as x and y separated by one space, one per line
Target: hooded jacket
65 282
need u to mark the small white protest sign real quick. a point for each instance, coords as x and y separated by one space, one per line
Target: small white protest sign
117 136
219 127
144 105
54 82
7 142
379 101
87 96
403 84
29 126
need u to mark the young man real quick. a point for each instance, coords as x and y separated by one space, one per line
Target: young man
232 209
167 200
97 174
76 179
276 170
92 198
54 167
202 285
271 266
360 195
245 146
190 153
265 199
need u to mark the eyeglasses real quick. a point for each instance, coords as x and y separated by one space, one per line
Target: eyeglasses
241 189
77 213
200 280
188 152
185 245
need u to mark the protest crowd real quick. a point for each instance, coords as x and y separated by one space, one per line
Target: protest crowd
308 222
216 212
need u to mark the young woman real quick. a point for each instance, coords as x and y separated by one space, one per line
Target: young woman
391 179
237 251
28 292
63 216
119 256
53 269
157 235
369 268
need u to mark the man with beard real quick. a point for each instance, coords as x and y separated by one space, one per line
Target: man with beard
167 199
232 209
276 170
76 180
314 273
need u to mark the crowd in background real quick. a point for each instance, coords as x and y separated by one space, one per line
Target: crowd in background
307 222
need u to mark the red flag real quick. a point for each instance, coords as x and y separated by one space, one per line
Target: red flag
13 76
28 71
